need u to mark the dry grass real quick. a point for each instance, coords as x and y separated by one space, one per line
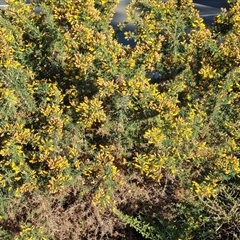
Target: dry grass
68 216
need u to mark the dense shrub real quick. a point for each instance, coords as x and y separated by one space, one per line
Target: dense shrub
95 135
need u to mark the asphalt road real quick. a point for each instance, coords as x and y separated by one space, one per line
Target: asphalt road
207 8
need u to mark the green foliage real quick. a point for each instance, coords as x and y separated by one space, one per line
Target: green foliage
143 227
82 121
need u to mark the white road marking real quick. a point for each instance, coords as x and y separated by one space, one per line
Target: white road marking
209 15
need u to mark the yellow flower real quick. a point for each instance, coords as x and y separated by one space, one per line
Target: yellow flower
207 72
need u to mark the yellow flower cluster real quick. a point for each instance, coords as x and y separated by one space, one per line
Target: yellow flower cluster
28 233
150 165
206 189
90 112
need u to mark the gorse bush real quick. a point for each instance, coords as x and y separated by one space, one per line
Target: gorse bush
95 135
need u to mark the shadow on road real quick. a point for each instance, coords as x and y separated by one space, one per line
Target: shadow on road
213 3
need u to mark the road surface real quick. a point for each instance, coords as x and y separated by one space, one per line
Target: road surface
207 8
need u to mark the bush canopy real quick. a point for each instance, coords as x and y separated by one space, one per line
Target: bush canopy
104 141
